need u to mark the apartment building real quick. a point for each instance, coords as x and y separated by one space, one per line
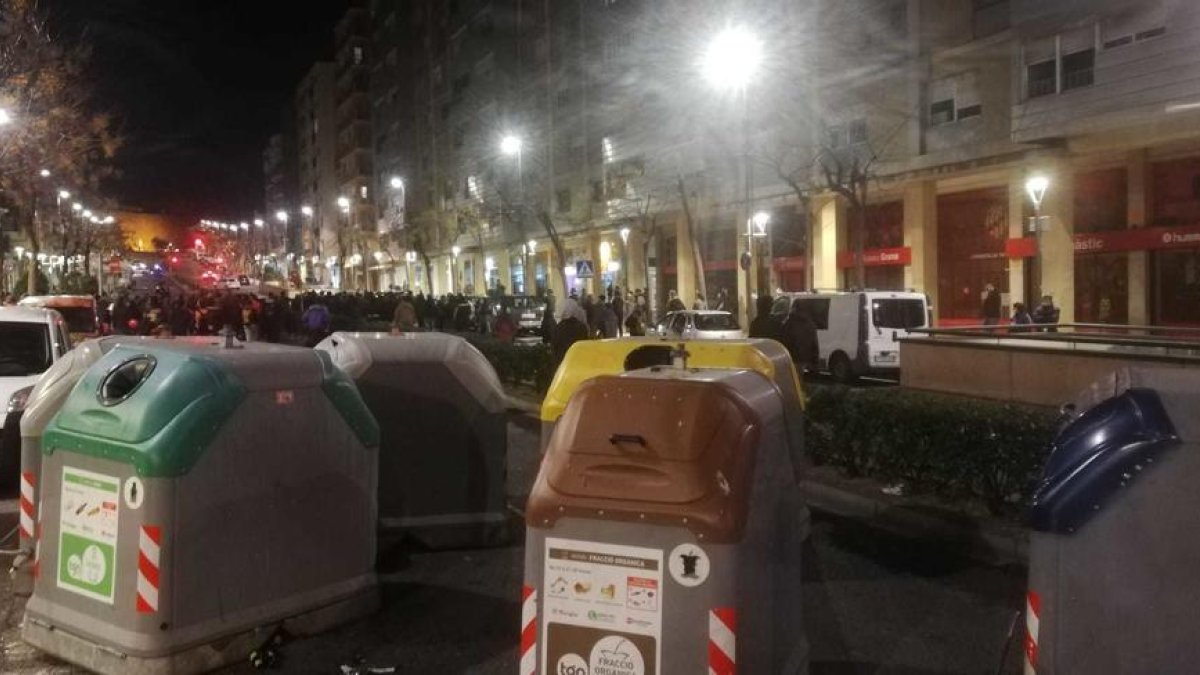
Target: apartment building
357 238
891 144
318 216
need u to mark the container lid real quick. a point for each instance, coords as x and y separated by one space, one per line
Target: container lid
357 353
590 358
678 450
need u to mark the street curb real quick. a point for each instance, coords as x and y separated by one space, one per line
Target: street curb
964 535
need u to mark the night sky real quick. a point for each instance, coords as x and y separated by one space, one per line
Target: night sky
197 87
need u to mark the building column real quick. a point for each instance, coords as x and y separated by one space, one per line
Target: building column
829 233
634 262
595 285
531 263
920 235
504 268
555 276
1018 227
1058 244
685 265
1138 264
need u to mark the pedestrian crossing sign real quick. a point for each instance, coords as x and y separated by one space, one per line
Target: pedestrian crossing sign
584 269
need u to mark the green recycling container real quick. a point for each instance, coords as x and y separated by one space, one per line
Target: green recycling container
196 499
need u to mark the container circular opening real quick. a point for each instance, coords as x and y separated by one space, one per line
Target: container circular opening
124 379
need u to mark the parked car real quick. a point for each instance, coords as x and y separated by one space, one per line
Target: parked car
528 312
859 331
79 311
700 324
31 339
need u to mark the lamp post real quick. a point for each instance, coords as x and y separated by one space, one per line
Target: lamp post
311 250
1036 186
513 146
410 257
282 217
454 251
729 64
343 208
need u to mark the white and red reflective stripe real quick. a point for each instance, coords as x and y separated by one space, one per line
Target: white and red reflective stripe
149 551
28 498
528 631
722 641
1033 620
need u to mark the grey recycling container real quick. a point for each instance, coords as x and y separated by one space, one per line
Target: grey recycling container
1113 554
444 434
194 499
44 401
664 531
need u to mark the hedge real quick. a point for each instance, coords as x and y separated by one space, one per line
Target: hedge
516 364
955 447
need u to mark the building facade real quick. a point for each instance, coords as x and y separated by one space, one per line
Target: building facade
357 238
319 216
573 147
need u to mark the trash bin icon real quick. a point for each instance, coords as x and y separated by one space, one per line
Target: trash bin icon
195 499
444 434
664 531
1113 552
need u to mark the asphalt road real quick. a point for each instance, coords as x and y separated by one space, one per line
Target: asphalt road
873 604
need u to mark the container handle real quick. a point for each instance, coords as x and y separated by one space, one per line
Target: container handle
619 439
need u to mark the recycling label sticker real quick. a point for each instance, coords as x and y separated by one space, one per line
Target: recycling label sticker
602 609
87 540
689 565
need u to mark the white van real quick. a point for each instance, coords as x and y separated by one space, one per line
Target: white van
859 331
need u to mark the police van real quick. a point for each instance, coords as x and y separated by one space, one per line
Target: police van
859 331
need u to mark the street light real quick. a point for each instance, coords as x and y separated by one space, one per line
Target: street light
281 216
343 204
44 173
77 206
732 59
396 182
63 194
306 210
510 145
258 222
5 118
730 63
759 221
1036 186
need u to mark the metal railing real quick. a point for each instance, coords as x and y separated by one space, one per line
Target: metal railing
1166 340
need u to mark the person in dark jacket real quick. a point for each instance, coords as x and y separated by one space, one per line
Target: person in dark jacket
607 323
634 325
991 306
1046 315
570 329
1020 318
764 325
800 337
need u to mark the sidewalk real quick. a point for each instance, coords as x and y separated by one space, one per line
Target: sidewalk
971 534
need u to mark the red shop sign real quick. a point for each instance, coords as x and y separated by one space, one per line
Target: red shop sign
1117 241
878 257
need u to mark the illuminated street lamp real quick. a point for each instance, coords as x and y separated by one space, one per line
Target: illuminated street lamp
759 221
397 183
77 206
87 213
5 118
63 194
343 204
109 220
730 64
306 211
44 173
258 222
281 216
1036 186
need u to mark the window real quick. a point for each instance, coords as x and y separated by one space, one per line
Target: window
1078 69
362 191
1144 23
358 56
564 201
716 322
898 313
941 112
24 349
1042 79
818 310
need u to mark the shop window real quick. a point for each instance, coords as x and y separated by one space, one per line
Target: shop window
972 231
1101 200
1175 192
